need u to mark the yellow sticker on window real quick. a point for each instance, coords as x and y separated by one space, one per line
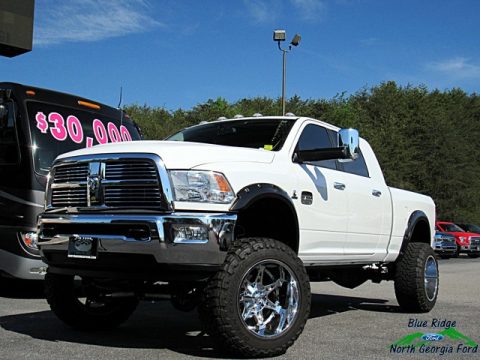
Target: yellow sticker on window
268 147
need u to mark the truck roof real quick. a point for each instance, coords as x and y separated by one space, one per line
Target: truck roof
270 117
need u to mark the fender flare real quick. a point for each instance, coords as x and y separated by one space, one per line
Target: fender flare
416 217
250 194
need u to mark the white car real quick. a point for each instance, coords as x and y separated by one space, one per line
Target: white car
238 216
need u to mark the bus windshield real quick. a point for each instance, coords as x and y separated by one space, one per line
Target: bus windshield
56 129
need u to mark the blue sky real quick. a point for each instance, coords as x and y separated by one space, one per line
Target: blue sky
177 54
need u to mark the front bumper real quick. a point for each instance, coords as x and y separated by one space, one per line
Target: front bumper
136 245
470 248
21 267
445 248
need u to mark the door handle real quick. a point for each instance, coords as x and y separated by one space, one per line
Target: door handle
339 186
376 193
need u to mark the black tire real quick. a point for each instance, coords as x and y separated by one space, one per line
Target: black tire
410 274
63 298
220 309
473 255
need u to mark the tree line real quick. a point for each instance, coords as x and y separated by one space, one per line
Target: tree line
426 141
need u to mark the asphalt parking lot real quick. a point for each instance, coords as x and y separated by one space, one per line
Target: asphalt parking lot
344 324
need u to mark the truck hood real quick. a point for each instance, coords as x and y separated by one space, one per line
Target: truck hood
464 234
181 155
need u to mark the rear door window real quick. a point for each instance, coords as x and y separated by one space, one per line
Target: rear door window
356 167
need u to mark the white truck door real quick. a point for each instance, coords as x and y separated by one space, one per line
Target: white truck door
322 201
369 209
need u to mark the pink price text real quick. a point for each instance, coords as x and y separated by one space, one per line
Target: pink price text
62 129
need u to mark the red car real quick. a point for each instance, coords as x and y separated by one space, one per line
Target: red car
467 242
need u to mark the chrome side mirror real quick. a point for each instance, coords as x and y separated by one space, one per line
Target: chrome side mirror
349 140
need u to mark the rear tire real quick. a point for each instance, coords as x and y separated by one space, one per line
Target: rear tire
416 278
95 314
258 303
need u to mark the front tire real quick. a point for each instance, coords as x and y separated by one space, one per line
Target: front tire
95 313
258 303
417 279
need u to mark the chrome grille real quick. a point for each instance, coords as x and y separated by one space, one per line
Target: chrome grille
126 196
475 240
116 183
132 170
76 197
71 173
132 183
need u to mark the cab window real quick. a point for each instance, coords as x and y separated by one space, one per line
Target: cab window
8 135
357 166
316 137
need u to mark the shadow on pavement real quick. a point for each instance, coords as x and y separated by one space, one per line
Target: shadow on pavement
21 289
323 305
160 326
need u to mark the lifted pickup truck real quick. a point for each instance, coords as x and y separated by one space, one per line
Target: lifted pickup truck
236 216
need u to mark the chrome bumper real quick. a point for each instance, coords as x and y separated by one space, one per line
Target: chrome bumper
158 240
445 248
470 248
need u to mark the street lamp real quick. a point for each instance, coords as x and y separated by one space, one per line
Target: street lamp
279 36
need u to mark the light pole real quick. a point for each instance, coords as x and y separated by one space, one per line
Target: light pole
279 36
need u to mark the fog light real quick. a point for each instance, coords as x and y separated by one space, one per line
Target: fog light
189 234
30 240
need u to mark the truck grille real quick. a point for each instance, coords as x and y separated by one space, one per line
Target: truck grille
69 197
475 240
71 173
116 183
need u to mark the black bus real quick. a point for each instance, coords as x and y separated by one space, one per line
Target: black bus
36 125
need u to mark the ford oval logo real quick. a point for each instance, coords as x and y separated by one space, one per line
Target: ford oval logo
432 337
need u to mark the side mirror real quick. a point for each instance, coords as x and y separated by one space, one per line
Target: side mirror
349 140
348 149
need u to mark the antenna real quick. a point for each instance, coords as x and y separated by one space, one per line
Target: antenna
121 98
120 105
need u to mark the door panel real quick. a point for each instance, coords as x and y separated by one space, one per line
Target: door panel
323 223
369 218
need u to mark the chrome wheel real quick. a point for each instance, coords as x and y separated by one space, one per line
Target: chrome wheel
431 277
268 298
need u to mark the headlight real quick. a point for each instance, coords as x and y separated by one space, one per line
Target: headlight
462 238
201 186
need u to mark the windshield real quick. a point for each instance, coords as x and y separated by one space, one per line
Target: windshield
267 134
473 228
56 130
452 228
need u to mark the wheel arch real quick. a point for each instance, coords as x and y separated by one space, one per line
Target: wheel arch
266 210
418 230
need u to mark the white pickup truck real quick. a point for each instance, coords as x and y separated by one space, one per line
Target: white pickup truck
237 216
